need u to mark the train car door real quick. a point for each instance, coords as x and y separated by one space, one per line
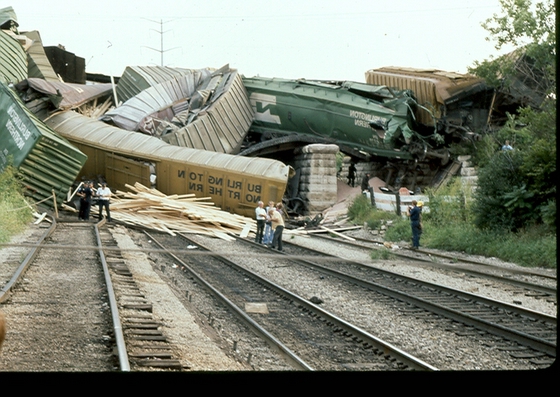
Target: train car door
121 171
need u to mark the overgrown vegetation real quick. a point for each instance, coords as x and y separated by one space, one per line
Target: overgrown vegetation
450 225
360 211
15 215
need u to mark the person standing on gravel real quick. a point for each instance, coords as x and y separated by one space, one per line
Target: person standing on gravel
414 212
104 194
85 201
260 214
268 232
277 220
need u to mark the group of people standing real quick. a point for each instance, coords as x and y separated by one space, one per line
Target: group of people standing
86 193
270 224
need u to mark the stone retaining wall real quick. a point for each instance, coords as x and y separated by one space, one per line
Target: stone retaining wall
317 184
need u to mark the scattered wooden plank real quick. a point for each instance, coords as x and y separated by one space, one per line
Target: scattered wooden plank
40 217
340 229
338 234
173 214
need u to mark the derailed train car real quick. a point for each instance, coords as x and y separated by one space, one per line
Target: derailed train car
198 108
47 163
364 120
456 105
233 183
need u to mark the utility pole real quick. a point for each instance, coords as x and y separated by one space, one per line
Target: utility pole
161 32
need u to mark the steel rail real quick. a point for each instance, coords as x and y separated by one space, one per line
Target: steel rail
364 336
20 271
518 283
4 293
117 327
292 358
528 340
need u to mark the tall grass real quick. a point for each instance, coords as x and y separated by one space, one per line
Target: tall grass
15 215
360 211
449 226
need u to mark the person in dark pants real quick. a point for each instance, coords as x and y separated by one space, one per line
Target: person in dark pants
260 215
277 220
104 194
415 213
365 182
85 201
81 193
352 174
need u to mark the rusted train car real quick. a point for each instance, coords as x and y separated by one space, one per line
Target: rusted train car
456 105
233 183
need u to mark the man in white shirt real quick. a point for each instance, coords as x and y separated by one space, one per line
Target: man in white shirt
104 195
260 214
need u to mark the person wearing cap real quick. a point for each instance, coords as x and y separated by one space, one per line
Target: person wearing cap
104 194
414 212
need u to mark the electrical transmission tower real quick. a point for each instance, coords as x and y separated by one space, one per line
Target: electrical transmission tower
161 32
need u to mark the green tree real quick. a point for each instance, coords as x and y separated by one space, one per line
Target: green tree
519 188
530 27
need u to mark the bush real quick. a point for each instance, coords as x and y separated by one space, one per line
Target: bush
451 203
361 211
400 231
501 198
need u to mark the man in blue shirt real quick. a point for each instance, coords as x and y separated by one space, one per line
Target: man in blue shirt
415 212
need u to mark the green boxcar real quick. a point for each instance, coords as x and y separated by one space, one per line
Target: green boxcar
45 160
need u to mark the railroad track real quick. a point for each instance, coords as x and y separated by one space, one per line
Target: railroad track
534 331
76 306
306 336
534 283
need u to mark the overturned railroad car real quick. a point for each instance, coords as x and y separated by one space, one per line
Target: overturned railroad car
46 162
365 121
201 109
456 105
233 183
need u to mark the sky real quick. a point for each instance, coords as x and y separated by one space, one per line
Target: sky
312 39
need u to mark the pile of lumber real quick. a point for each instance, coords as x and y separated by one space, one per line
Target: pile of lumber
174 214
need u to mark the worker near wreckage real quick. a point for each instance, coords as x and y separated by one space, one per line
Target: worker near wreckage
414 212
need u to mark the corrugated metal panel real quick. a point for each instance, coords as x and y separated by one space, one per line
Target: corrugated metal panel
65 96
13 59
219 112
38 62
432 88
136 79
223 124
131 114
8 17
45 160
